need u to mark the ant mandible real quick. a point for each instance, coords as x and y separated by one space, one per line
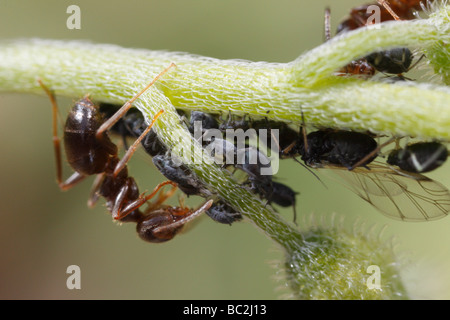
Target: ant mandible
90 151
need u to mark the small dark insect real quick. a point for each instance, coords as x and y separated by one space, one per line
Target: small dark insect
189 183
395 61
206 120
260 179
287 136
397 193
253 162
132 125
419 157
342 148
90 151
186 180
223 213
232 123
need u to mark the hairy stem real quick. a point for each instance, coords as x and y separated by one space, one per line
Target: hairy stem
276 91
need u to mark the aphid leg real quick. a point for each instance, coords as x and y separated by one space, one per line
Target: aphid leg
124 109
132 149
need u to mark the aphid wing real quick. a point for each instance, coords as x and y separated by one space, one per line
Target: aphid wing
408 197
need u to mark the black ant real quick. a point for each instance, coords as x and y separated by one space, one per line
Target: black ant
89 151
419 157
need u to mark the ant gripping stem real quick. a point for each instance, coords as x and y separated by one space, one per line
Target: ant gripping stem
121 112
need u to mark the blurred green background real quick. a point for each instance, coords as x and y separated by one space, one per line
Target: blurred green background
43 230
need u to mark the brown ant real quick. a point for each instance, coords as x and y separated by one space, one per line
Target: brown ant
90 151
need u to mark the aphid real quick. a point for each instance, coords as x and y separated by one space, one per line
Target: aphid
206 120
395 61
419 157
223 152
342 148
232 123
132 125
223 213
396 193
287 136
89 151
181 175
189 183
260 179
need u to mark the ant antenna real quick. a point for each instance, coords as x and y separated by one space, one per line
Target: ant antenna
123 162
386 5
183 221
121 112
327 23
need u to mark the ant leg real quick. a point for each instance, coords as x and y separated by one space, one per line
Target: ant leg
121 112
119 213
56 139
93 197
76 177
123 162
72 181
162 196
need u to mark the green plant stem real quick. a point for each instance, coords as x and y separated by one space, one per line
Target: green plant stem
276 91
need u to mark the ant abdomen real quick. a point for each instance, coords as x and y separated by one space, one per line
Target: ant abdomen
85 152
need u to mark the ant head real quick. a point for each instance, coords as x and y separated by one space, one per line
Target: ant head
159 226
163 224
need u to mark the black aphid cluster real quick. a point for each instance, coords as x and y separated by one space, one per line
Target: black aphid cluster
324 148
